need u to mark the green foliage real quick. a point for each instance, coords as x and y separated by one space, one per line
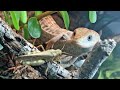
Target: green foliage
7 18
101 75
26 32
110 69
15 19
38 13
34 27
17 16
1 47
92 16
66 19
23 16
108 74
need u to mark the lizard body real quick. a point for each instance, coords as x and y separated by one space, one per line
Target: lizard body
77 42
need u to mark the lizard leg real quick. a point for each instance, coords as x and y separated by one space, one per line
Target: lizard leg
52 41
66 64
74 61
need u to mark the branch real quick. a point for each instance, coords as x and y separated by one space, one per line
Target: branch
116 38
99 54
57 72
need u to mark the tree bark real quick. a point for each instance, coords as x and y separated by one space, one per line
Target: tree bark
12 42
95 59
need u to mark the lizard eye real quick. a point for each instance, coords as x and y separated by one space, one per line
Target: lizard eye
74 33
89 38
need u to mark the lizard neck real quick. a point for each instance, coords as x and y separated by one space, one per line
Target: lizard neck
71 47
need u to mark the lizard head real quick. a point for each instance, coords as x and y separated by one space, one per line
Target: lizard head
86 38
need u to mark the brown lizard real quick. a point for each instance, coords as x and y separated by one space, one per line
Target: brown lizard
78 42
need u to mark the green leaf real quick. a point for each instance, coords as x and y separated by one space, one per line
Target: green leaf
26 32
34 27
15 19
17 13
38 13
7 18
66 18
92 16
109 72
1 47
101 75
23 16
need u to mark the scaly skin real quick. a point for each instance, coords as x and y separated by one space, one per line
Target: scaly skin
80 41
50 29
76 43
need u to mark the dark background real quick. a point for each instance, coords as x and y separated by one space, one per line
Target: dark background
108 24
107 21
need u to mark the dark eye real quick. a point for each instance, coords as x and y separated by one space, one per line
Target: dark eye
89 38
74 33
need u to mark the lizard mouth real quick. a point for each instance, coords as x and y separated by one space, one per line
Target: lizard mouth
88 41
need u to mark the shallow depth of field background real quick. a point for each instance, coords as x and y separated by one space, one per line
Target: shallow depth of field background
108 24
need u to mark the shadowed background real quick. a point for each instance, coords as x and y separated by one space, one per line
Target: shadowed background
108 25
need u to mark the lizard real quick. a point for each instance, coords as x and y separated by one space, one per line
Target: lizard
76 42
